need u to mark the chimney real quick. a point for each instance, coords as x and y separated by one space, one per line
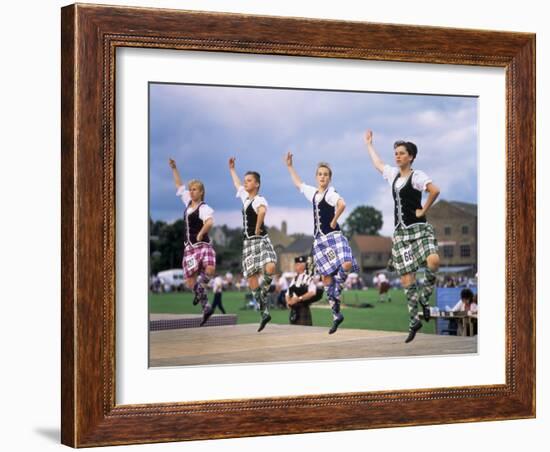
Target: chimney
283 227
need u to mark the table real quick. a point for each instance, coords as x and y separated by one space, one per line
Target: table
466 320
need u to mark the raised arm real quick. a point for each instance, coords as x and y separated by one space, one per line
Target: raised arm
175 173
433 193
340 207
293 174
376 160
236 181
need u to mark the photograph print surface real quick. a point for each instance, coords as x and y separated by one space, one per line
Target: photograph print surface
297 225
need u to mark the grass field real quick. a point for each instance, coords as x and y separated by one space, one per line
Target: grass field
388 316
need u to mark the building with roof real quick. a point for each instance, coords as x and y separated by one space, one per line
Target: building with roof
301 245
279 237
371 251
455 225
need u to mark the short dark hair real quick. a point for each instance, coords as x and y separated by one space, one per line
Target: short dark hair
411 148
466 294
255 175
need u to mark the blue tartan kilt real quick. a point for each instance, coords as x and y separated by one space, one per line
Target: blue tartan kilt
330 252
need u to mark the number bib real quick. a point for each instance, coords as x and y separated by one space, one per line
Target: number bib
190 262
407 255
249 262
330 254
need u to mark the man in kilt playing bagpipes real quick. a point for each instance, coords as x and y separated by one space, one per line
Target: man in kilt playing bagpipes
331 251
258 253
414 242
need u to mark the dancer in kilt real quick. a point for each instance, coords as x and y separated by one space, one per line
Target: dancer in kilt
258 254
414 242
199 257
331 251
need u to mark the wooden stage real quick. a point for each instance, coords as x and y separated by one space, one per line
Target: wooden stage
282 343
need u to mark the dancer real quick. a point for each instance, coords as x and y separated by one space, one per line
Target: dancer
414 242
199 257
331 251
258 253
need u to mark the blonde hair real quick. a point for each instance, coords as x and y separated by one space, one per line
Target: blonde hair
197 183
324 165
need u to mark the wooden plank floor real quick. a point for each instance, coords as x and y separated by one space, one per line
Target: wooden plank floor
282 343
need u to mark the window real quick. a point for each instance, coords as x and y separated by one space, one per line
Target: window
447 230
448 251
379 257
465 229
464 250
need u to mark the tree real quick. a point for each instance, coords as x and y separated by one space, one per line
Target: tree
363 220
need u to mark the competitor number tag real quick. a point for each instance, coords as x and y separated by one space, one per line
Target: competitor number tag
249 262
407 255
330 254
190 262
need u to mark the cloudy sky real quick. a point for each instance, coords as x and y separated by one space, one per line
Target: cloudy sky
202 126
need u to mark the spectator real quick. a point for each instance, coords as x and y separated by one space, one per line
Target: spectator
229 280
468 304
383 288
218 289
282 287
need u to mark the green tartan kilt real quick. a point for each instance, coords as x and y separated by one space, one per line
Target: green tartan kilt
411 247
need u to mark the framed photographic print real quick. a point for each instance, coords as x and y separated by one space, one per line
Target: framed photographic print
208 159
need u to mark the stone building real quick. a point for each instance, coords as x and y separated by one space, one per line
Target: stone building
455 226
371 251
300 246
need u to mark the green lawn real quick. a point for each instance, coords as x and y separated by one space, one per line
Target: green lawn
382 316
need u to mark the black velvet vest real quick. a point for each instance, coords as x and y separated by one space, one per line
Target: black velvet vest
406 201
192 225
323 213
249 222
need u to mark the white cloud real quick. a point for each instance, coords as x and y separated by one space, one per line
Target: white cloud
326 127
382 200
231 218
430 118
299 220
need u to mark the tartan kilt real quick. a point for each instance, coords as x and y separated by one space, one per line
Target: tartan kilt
330 252
411 247
300 314
197 257
257 252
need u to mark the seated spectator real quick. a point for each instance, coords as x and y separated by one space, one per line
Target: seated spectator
466 302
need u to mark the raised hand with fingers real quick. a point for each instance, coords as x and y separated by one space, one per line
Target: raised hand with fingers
368 136
288 158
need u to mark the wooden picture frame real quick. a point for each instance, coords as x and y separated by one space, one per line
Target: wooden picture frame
90 37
